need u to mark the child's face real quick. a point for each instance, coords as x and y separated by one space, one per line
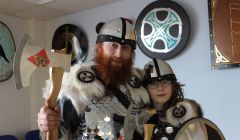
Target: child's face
160 92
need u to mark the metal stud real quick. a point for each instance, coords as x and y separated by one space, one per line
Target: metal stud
169 130
164 138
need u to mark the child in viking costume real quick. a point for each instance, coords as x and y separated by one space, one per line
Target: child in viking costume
169 109
94 98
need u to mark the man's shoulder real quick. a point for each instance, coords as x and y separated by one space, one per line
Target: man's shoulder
82 67
137 69
80 84
82 72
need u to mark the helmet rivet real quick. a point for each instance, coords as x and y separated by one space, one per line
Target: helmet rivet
122 40
110 37
119 30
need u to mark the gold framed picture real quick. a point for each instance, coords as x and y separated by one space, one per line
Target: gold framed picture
224 21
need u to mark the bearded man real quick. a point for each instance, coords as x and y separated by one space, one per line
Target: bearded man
94 98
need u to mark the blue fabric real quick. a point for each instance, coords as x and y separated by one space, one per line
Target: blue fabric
8 137
32 135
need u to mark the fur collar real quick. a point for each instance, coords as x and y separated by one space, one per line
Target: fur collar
183 111
80 92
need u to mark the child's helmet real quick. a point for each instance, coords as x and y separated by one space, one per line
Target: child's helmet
157 70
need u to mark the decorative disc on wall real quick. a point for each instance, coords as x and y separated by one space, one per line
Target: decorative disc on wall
163 29
73 39
7 51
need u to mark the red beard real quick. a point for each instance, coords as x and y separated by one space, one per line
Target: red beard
110 73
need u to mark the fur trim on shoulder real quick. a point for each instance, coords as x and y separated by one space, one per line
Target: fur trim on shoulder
80 91
183 111
139 93
77 91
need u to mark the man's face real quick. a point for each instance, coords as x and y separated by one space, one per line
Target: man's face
114 63
116 52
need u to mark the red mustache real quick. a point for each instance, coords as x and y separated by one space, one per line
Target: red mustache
118 60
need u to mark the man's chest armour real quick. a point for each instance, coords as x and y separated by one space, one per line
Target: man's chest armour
100 115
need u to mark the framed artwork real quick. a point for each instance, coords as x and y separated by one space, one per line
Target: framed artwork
224 19
7 52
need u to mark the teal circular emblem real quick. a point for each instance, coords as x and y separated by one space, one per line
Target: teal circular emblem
7 51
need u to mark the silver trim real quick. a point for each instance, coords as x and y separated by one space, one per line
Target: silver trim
17 60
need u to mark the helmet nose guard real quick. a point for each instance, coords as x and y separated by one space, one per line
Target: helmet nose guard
157 70
117 30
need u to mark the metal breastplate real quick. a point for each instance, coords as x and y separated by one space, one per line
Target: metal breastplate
100 116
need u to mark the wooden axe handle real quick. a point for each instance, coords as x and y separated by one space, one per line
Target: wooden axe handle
57 74
148 131
148 128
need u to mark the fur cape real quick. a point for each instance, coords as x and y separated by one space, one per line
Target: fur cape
183 111
80 92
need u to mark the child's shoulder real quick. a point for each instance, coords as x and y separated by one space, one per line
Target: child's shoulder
184 110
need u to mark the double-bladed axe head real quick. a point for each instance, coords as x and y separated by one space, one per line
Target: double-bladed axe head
29 58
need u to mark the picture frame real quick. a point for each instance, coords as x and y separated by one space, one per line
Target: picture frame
224 23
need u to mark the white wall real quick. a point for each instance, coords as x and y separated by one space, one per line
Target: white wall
216 90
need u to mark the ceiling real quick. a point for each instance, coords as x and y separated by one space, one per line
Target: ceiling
47 9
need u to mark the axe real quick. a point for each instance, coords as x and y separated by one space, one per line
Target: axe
29 58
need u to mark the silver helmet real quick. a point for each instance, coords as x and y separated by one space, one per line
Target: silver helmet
157 70
117 30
